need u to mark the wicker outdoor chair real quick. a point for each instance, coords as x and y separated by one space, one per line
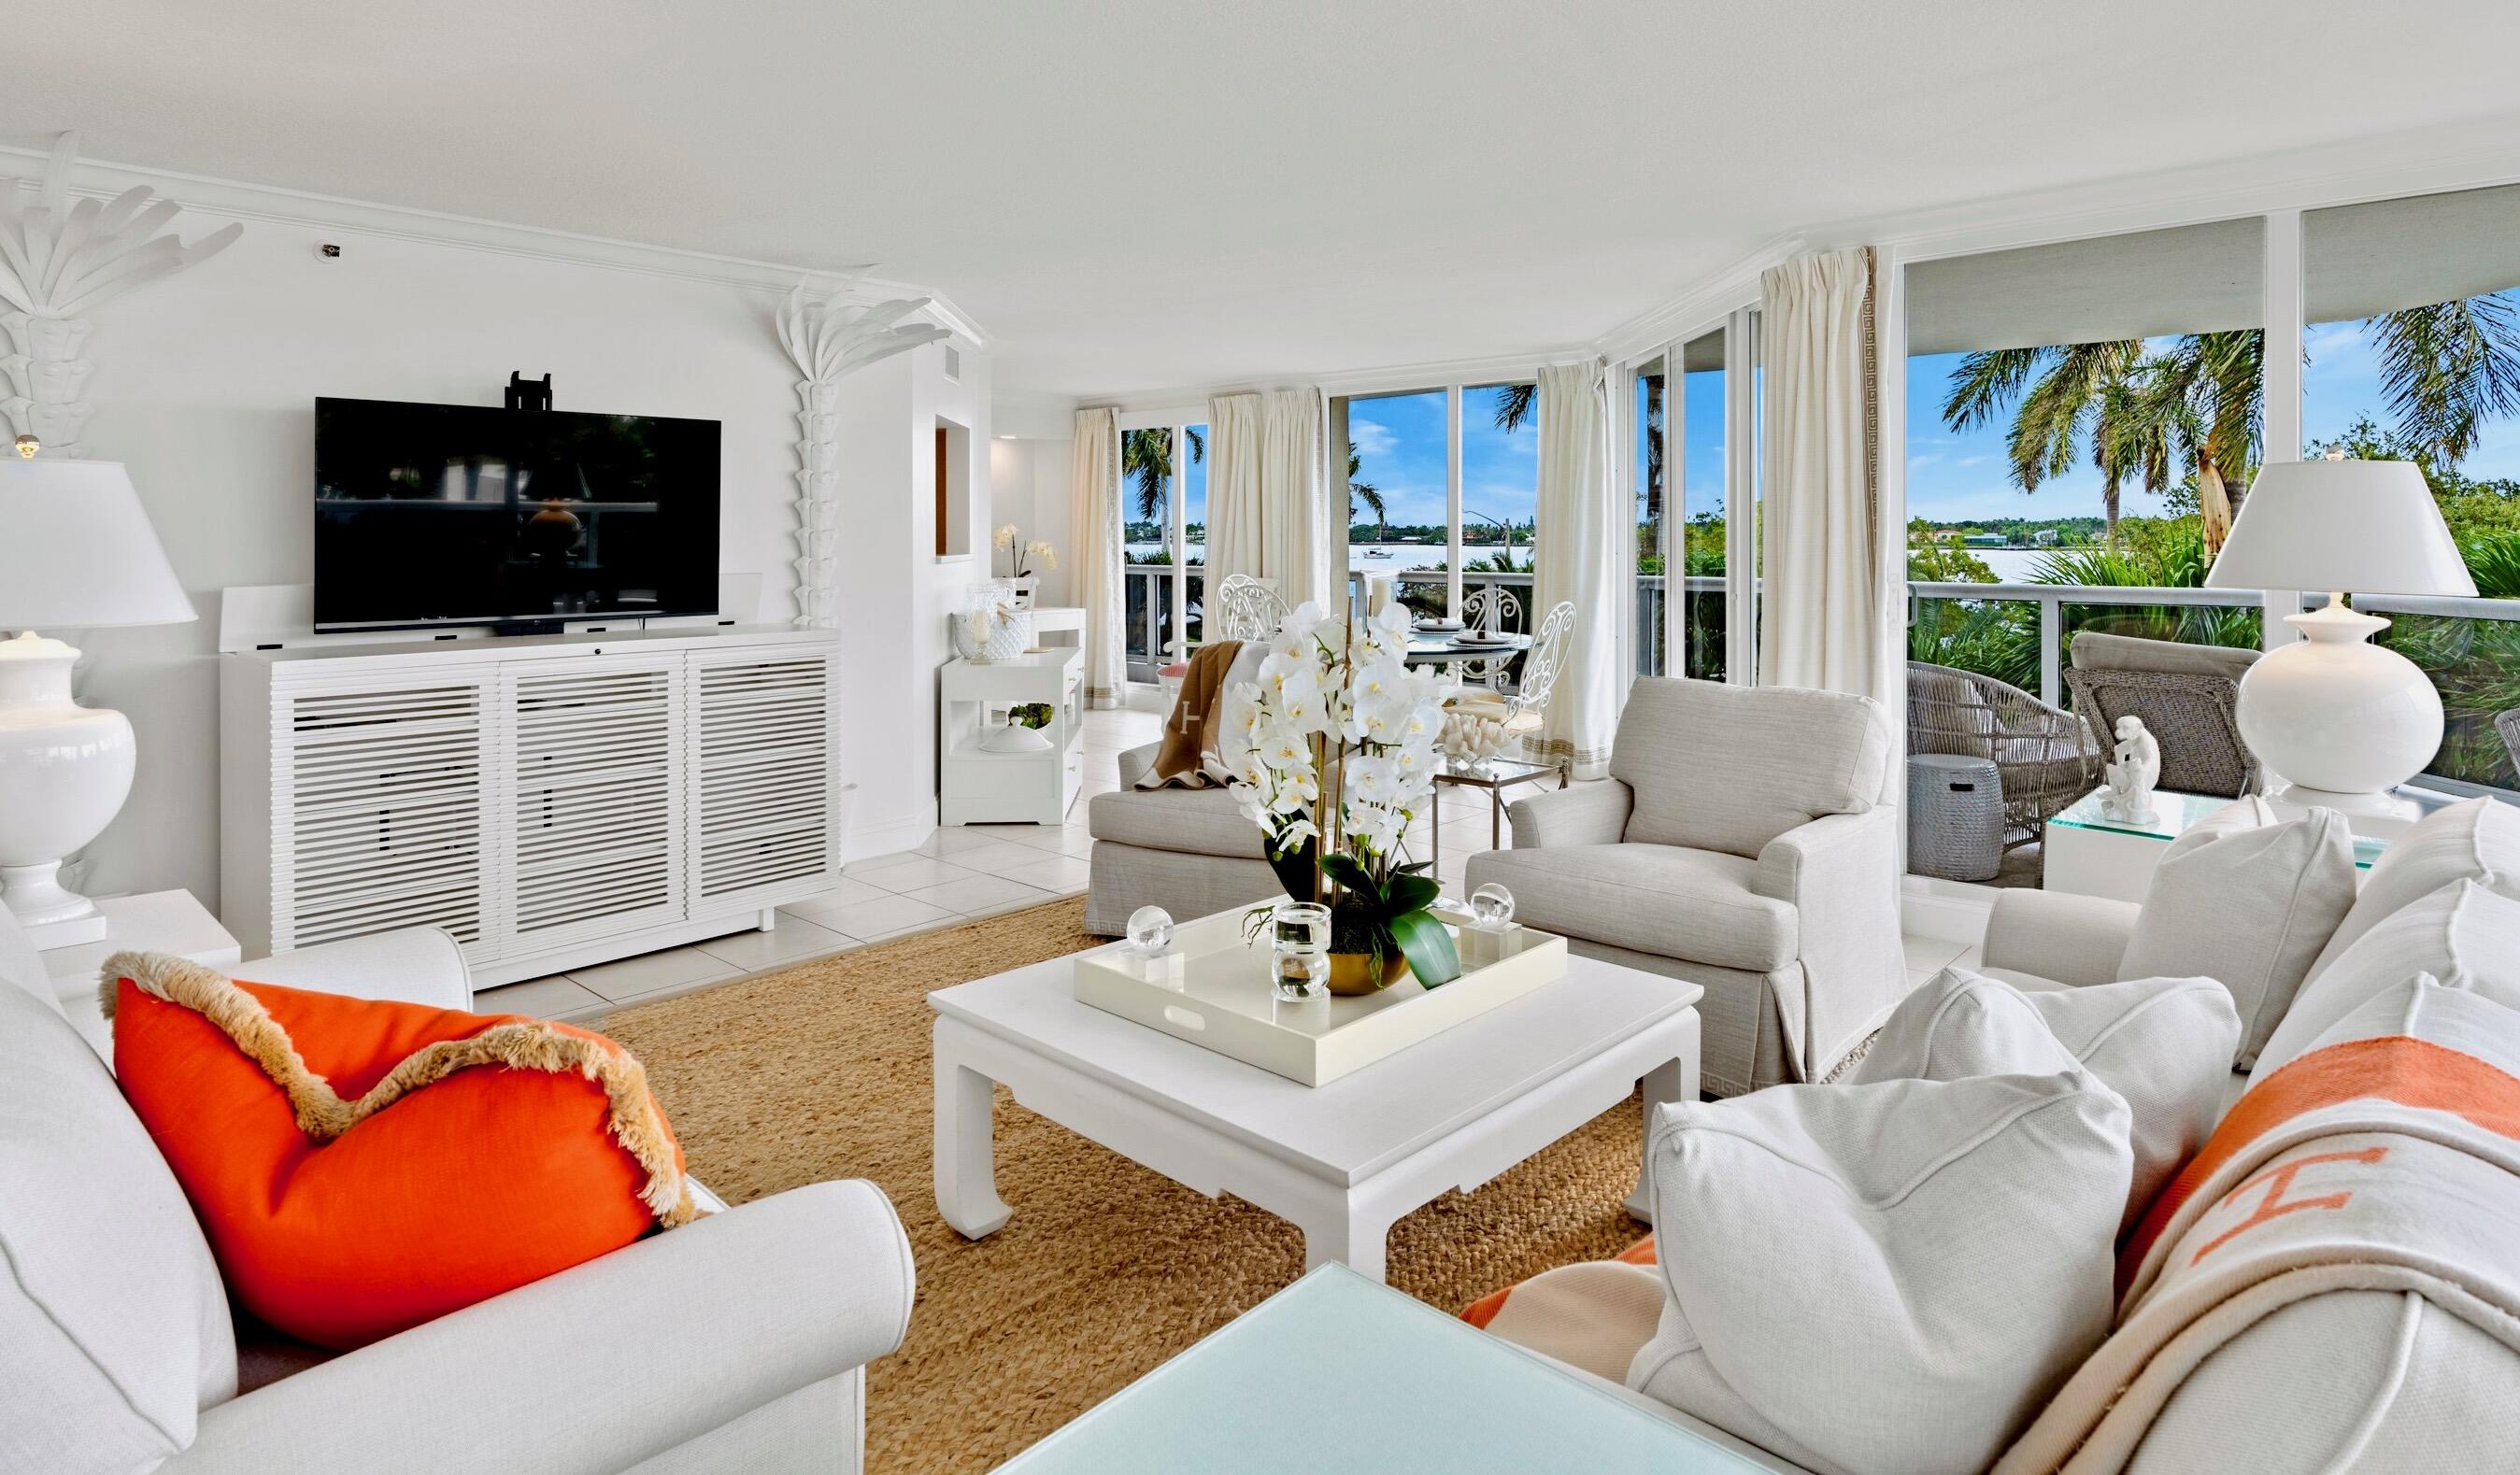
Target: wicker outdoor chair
2188 695
2508 725
2045 755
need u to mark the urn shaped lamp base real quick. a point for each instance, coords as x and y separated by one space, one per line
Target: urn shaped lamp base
65 770
2343 721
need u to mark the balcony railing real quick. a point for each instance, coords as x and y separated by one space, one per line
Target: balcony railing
2019 633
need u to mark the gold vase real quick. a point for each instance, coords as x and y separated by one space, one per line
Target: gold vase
1354 974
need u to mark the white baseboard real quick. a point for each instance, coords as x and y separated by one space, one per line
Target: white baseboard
889 838
1946 910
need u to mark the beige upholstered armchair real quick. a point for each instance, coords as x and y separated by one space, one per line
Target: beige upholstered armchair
1741 844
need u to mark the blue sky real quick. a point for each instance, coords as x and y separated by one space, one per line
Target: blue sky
1400 449
1961 476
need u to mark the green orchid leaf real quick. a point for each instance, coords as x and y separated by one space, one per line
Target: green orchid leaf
1409 893
1428 947
1360 883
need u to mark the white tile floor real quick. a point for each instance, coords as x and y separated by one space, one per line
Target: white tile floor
961 873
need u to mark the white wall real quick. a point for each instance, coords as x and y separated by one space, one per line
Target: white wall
205 386
1028 482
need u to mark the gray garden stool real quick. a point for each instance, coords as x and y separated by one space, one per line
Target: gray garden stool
1954 816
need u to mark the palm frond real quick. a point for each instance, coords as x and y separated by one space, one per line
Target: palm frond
2447 368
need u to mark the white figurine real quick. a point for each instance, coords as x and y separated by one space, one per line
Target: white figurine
2135 773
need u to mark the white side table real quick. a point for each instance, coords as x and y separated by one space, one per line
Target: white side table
2093 853
154 921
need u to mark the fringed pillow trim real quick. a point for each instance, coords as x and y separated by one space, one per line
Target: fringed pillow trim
322 1115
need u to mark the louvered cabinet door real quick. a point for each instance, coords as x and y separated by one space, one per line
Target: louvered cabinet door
380 798
592 798
764 770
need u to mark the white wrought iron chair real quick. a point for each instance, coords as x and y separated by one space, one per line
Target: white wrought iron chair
1246 609
1492 608
1480 724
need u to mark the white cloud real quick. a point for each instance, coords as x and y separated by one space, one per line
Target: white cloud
1372 437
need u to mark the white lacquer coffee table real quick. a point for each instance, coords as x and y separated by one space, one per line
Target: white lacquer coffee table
1342 1162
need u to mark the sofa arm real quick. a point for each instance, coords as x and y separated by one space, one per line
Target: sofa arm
2075 940
1133 762
1841 874
602 1366
1579 814
415 966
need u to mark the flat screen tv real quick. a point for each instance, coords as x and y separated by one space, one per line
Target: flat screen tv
459 515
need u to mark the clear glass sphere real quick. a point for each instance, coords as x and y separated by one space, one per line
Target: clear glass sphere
1492 907
1150 929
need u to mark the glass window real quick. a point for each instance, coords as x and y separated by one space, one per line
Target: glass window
1702 472
2082 417
2411 351
1500 501
1194 530
1653 615
1398 495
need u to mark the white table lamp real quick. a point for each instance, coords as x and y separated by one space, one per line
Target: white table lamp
2343 720
75 553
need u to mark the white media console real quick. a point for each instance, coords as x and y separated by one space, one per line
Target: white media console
552 801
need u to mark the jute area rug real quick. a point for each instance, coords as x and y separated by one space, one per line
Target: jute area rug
1106 1268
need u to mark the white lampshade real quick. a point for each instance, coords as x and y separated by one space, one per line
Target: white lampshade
76 551
2350 526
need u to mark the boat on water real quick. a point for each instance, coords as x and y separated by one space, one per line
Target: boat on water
1377 553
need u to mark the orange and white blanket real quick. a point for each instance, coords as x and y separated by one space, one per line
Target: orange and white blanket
2379 1161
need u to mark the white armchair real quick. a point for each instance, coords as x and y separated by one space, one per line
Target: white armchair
1741 844
737 1343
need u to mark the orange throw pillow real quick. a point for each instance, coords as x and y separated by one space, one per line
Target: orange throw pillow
361 1167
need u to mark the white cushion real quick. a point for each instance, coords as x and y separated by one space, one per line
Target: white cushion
1884 1278
2248 903
2463 935
2474 840
1715 767
1701 905
114 1325
2162 1044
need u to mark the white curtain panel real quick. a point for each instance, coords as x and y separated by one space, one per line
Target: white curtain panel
1094 521
1824 615
1295 515
1233 518
1576 559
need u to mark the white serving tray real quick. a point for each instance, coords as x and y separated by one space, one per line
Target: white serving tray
1214 989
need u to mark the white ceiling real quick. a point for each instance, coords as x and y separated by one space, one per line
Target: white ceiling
1139 194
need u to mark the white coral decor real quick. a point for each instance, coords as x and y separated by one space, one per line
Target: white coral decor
1376 720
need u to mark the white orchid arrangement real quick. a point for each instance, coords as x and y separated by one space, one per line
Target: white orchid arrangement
1337 712
1022 555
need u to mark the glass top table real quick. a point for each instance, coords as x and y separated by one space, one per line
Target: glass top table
1336 1373
1496 776
2173 813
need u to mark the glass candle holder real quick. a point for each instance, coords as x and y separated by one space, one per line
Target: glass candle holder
1299 951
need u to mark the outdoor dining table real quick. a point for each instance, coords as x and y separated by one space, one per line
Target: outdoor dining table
1428 648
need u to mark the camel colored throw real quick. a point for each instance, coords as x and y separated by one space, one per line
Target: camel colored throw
362 1166
1187 757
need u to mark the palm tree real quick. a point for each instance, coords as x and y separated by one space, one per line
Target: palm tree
2197 406
1147 460
1516 406
1361 490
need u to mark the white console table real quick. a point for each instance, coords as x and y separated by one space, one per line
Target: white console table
978 786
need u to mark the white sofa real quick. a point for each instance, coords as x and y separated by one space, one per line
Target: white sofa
737 1343
2347 1376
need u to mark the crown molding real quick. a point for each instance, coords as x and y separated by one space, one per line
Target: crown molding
2473 154
1701 308
237 200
